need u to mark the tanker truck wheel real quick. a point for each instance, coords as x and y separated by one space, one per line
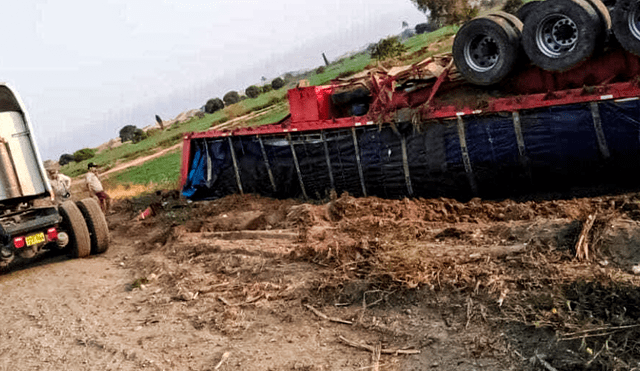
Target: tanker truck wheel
73 223
559 34
626 24
96 223
485 49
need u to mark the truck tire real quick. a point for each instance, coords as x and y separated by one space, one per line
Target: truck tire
626 24
605 23
73 223
603 14
96 223
485 49
526 9
560 34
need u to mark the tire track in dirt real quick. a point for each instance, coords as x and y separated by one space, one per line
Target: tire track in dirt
70 314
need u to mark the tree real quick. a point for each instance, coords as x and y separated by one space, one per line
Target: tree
127 132
84 154
443 12
388 48
277 83
213 105
65 159
159 121
252 91
230 98
267 88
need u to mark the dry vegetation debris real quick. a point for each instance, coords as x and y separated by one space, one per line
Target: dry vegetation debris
502 265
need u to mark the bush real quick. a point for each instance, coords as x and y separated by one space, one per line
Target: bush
320 70
425 27
230 98
66 159
84 154
127 132
138 136
388 48
277 83
213 105
267 88
252 91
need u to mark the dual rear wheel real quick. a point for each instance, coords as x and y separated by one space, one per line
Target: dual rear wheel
485 49
555 35
86 226
560 34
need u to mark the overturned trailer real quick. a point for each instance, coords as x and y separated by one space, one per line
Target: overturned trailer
429 130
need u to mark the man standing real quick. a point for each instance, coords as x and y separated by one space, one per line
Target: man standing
95 187
60 183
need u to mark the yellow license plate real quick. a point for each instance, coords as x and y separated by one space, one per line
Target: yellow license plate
35 239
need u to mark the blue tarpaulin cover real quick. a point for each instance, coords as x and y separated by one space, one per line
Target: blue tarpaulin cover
559 148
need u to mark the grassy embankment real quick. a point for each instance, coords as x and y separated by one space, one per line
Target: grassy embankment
163 172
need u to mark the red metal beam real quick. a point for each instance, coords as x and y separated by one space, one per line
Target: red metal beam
186 159
438 110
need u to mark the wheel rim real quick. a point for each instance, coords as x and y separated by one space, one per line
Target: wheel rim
633 18
556 35
482 53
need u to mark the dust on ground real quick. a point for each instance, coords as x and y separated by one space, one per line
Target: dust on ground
250 283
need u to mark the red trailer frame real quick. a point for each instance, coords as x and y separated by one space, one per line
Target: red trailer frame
310 108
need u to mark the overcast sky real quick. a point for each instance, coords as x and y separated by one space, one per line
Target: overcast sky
85 69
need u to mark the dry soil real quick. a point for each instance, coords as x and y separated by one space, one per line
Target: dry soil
249 283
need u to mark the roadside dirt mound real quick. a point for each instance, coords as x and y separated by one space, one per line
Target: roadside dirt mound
505 267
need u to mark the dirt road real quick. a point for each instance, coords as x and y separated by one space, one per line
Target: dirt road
246 283
140 160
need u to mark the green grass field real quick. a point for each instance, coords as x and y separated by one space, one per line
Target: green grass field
164 170
352 64
418 42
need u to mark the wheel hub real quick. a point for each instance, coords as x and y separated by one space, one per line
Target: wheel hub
556 35
482 53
